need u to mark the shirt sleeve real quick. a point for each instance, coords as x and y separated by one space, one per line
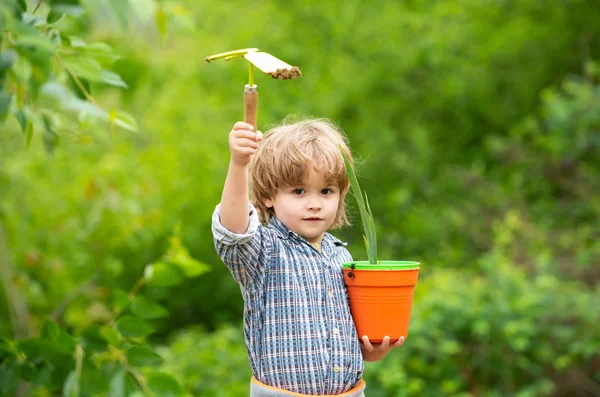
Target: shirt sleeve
244 254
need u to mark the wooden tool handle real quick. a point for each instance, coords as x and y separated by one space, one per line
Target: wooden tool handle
250 104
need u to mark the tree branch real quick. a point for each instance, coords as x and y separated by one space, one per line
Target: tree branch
37 6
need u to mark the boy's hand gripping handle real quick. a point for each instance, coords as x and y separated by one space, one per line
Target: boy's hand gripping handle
250 104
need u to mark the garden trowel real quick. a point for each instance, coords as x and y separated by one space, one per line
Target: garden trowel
266 63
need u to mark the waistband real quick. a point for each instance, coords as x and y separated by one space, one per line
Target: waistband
259 389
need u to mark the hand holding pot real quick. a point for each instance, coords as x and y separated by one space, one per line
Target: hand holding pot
377 351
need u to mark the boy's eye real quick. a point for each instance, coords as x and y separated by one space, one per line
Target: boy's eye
298 191
326 191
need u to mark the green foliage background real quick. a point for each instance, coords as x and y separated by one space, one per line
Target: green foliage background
477 125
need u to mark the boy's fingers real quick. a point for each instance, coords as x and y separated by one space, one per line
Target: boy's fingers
367 343
386 342
246 134
243 150
240 125
245 142
399 342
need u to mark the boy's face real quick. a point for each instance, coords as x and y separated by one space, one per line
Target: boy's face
308 209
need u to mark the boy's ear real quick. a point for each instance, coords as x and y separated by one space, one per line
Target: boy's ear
268 202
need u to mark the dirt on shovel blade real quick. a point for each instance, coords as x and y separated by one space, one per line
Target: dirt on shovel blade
286 74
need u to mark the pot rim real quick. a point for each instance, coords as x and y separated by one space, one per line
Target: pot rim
383 265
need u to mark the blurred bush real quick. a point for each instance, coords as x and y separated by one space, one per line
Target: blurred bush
209 364
500 333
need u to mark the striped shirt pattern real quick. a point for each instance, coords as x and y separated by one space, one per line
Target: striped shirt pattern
298 328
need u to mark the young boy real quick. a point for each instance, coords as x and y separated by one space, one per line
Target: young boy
299 331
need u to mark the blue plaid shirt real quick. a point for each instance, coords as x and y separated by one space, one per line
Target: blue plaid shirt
299 331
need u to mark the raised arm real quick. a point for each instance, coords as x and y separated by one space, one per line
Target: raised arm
243 143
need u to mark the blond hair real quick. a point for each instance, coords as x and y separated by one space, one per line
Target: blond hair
284 154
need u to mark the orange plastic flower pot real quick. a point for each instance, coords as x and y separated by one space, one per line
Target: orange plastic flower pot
381 297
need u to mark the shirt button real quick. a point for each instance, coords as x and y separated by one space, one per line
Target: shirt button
330 294
336 331
337 369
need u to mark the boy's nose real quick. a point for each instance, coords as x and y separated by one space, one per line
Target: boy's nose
314 204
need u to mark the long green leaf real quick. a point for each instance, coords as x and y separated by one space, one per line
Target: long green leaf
365 212
372 232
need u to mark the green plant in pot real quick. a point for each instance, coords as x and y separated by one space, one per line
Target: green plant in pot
381 292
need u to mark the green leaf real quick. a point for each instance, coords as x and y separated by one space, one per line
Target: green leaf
65 40
131 385
179 255
365 211
54 341
112 78
28 133
55 92
33 20
85 107
5 100
147 309
93 382
54 15
83 66
92 339
21 6
31 348
124 120
63 343
50 137
372 237
117 384
50 330
119 299
163 274
190 266
77 89
142 356
55 37
164 385
41 375
103 53
133 327
29 36
73 10
111 335
22 119
76 42
9 379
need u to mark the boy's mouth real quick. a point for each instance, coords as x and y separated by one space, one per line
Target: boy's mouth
313 218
